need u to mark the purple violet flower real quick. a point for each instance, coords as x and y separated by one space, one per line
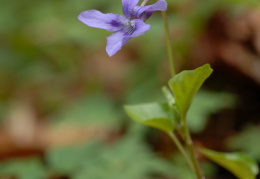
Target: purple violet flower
124 27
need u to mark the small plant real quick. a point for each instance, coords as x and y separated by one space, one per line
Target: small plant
171 116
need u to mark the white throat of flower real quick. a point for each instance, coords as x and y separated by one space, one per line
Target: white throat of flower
129 27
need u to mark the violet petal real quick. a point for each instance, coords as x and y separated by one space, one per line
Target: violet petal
95 18
140 28
128 6
115 42
160 5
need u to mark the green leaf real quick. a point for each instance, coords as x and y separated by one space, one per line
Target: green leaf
185 85
27 168
99 160
171 102
119 161
239 164
86 111
67 160
247 140
168 95
151 114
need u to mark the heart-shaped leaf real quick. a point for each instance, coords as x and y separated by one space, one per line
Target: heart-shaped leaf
185 85
238 163
152 114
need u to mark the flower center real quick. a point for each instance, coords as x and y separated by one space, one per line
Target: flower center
129 27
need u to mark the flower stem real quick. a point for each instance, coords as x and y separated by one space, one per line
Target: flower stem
191 151
168 42
144 2
190 157
181 149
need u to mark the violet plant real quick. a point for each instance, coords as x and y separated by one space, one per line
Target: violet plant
169 117
124 27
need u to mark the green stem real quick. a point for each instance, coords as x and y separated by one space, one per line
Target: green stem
181 149
168 42
191 158
191 150
144 2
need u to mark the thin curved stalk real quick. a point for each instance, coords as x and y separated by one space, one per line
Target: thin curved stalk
192 154
181 149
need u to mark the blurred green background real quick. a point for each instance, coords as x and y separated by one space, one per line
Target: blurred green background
62 97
